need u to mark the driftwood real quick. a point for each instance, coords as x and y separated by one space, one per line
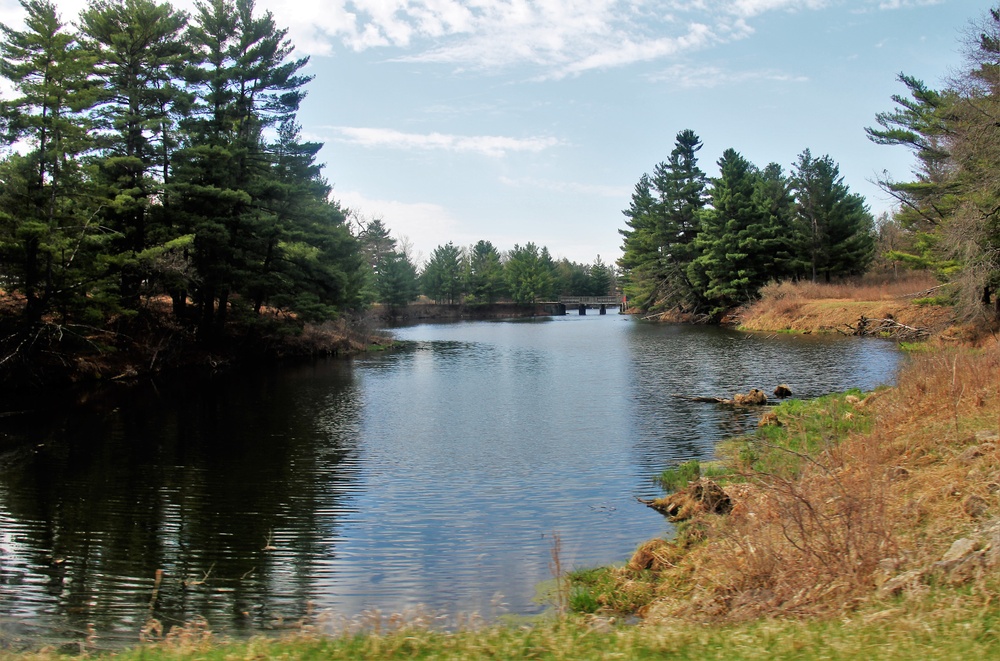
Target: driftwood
887 327
753 398
710 400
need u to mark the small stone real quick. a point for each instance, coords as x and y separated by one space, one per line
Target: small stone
782 391
970 455
975 506
960 548
898 473
769 419
905 581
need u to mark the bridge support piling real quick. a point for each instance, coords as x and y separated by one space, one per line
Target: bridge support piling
583 309
604 308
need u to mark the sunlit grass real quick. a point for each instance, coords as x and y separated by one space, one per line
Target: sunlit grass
940 625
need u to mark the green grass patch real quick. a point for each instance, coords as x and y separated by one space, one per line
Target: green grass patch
678 477
917 347
933 300
806 428
945 624
602 590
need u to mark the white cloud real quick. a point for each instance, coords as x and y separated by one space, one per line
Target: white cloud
691 77
906 4
562 37
487 145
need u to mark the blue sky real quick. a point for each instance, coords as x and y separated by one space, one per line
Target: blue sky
532 120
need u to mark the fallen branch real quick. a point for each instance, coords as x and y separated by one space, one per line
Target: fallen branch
886 328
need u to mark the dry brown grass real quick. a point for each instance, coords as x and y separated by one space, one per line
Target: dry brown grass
872 287
825 307
861 511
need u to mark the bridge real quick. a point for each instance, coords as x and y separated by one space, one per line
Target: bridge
581 303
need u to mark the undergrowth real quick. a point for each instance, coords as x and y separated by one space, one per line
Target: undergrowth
940 625
832 499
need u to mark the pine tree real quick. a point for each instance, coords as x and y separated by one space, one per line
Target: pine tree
529 277
443 278
139 55
839 227
663 221
680 184
777 203
601 279
737 238
640 258
49 239
485 278
398 282
246 83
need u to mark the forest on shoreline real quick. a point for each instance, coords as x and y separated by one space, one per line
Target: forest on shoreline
157 198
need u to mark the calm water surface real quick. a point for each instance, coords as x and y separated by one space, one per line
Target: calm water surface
437 475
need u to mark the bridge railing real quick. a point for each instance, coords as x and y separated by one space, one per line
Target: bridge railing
590 300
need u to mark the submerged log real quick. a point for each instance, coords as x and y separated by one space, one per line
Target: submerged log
755 397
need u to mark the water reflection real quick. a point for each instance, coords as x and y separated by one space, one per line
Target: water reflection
433 475
234 489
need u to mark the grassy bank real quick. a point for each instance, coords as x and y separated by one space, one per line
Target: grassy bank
914 300
941 624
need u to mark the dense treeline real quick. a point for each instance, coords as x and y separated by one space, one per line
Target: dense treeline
153 161
948 216
478 275
703 245
159 155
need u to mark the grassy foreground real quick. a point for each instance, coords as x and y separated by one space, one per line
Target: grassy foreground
939 626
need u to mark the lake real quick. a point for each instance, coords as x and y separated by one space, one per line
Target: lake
438 474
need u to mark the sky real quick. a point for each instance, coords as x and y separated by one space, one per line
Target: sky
516 121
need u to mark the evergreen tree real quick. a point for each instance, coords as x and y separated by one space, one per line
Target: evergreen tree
664 221
640 258
398 283
48 237
529 277
736 239
601 279
571 279
776 201
310 263
246 84
139 54
443 276
485 279
838 225
680 184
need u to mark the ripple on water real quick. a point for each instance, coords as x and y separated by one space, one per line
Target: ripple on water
437 475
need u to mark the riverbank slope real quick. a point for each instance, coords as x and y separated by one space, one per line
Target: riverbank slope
908 303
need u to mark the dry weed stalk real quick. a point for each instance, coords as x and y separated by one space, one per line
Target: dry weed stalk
562 581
